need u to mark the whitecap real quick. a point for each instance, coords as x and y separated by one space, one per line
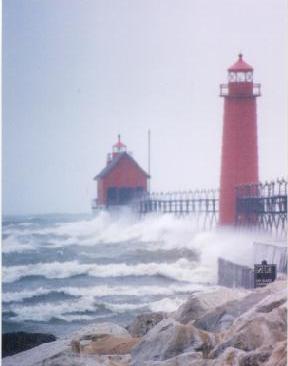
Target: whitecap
181 270
105 290
48 311
67 310
12 243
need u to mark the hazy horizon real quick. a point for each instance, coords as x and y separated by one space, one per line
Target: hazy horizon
78 73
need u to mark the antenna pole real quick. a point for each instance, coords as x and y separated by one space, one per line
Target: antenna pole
149 158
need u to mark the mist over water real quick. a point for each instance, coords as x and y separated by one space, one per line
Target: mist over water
63 271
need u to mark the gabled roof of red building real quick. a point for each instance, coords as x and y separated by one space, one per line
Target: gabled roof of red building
240 65
115 162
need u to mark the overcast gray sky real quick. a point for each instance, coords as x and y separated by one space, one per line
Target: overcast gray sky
76 73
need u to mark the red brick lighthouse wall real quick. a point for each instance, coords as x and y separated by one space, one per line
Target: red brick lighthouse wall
239 161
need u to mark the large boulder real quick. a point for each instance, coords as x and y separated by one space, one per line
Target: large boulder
70 359
200 303
15 342
38 355
222 317
257 357
251 332
110 345
93 330
183 359
230 357
279 355
102 339
168 339
144 322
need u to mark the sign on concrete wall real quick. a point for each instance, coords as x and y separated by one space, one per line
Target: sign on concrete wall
264 274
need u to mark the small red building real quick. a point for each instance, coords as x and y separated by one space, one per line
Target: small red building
121 180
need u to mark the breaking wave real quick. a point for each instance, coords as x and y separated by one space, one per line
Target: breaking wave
181 270
86 308
101 291
151 233
111 249
11 244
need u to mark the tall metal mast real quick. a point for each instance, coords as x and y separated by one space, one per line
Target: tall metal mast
149 159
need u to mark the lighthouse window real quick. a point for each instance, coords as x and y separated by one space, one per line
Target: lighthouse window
232 76
240 76
249 76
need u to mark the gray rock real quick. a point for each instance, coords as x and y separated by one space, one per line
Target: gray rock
168 339
180 360
269 307
256 357
190 310
201 303
68 359
273 301
37 355
230 357
254 331
75 346
110 345
222 317
235 357
93 330
144 322
279 355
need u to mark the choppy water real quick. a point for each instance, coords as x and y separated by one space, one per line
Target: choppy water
63 271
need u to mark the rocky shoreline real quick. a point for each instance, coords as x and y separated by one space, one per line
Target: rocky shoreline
222 327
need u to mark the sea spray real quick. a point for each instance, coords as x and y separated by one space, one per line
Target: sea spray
65 271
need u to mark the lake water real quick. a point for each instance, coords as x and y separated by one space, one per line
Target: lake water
61 272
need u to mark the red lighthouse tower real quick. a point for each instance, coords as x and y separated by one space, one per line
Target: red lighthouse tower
239 162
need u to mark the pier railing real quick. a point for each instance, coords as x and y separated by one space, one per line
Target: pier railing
260 206
202 204
263 206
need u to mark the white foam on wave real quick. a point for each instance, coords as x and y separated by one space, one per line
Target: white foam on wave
80 317
24 294
100 291
181 270
166 305
165 232
47 311
67 310
152 233
12 244
104 228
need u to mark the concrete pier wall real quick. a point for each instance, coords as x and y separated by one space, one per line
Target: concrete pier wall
234 275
